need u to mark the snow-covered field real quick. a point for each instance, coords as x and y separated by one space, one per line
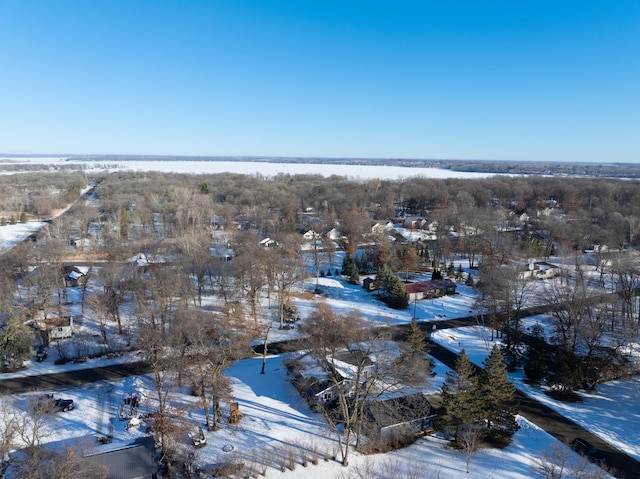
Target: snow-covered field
266 169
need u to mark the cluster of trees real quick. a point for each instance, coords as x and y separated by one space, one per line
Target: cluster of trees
38 194
589 324
478 403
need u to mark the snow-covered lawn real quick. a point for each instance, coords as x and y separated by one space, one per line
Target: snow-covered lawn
277 418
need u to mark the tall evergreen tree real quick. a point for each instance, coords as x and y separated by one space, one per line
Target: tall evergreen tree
461 401
536 362
415 337
350 269
497 392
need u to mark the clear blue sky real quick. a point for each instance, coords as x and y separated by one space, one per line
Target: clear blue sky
507 80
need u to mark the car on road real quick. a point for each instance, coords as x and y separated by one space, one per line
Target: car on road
586 449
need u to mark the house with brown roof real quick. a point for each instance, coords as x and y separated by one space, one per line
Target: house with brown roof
434 288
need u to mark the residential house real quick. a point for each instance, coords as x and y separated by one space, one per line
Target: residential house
267 243
54 328
539 270
72 276
382 227
313 382
133 460
400 417
434 288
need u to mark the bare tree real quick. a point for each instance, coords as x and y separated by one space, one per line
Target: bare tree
9 425
210 344
561 463
469 440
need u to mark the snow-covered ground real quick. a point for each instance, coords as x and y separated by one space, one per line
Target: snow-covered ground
276 418
263 168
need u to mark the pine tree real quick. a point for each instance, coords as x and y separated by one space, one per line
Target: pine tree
415 337
469 280
536 363
459 273
451 271
461 401
397 297
350 269
497 392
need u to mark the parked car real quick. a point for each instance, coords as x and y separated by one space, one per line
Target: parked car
47 401
64 404
585 448
42 354
197 437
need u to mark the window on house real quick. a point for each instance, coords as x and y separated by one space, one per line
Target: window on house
326 396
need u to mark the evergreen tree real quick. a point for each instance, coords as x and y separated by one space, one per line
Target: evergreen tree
437 274
497 392
469 281
23 217
536 363
564 371
397 297
415 337
461 401
350 269
459 273
451 270
384 280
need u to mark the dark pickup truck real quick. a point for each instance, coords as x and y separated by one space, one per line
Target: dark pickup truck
59 404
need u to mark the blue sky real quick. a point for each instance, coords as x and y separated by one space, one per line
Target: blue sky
482 79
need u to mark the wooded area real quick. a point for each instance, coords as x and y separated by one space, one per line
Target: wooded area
162 242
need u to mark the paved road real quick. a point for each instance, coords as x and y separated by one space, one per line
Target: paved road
73 378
